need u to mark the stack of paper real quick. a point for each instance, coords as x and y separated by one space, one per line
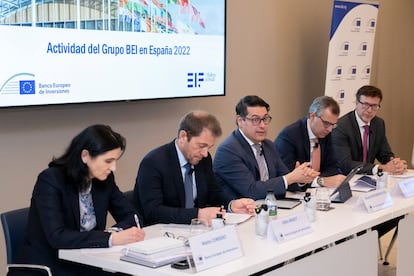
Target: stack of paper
155 252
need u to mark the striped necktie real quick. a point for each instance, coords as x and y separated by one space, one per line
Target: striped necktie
261 162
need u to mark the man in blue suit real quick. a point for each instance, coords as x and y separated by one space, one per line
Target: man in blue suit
236 163
300 141
160 185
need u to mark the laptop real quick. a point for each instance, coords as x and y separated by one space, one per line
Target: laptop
343 192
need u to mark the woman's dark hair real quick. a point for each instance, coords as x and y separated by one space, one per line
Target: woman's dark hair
96 139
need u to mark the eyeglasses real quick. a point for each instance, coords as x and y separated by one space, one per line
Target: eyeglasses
256 120
368 105
327 124
173 236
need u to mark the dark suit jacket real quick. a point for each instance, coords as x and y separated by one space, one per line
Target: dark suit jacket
54 219
348 145
159 187
237 171
292 143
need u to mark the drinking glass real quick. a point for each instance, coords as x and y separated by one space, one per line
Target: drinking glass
323 199
197 227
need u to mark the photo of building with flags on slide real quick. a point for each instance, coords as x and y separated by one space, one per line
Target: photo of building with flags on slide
198 17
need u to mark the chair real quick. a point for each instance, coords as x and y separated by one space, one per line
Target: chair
383 229
14 224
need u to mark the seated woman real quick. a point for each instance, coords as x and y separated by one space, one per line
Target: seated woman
70 202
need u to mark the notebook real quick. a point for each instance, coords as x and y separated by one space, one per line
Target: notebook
155 252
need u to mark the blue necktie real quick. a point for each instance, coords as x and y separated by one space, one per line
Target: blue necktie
188 186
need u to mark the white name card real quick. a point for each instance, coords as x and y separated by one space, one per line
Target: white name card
377 200
215 247
290 227
407 187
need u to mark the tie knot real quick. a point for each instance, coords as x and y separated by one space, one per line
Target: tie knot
366 127
258 148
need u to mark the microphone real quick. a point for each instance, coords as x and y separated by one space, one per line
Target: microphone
316 145
261 150
190 171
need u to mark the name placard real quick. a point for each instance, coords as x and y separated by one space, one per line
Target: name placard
290 227
377 200
215 247
407 187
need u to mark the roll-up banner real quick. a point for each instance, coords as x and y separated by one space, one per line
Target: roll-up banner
351 46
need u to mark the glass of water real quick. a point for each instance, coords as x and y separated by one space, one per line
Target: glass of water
323 199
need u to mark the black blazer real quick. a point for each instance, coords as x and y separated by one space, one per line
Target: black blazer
236 168
292 143
54 219
159 187
348 145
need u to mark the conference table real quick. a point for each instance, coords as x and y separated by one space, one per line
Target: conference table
349 223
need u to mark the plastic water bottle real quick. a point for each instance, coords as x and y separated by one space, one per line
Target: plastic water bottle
310 207
382 179
217 222
262 220
270 201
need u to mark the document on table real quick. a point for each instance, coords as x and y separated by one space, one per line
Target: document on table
364 184
232 218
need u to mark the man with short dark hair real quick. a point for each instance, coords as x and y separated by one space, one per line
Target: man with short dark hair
161 189
360 137
309 140
246 164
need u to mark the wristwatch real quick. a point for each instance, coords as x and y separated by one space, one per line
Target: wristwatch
319 180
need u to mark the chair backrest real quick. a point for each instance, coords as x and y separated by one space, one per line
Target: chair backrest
14 225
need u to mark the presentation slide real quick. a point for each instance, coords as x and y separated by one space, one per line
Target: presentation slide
69 51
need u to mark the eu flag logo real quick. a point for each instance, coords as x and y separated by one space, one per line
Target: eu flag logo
27 87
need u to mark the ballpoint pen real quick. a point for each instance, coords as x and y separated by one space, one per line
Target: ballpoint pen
137 221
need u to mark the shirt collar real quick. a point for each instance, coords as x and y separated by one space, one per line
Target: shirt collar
310 133
247 139
181 157
359 120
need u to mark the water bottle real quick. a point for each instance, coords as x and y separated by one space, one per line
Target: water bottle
262 220
217 222
270 201
310 207
382 179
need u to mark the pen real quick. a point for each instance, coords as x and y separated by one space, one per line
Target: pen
137 220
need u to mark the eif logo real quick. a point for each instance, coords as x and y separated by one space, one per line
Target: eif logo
27 87
194 80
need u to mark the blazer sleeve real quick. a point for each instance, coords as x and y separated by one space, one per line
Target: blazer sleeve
236 168
383 151
158 193
346 149
57 212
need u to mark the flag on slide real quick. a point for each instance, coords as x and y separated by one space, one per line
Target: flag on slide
197 17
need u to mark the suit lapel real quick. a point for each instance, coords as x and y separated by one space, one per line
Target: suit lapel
305 137
176 171
357 132
248 152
